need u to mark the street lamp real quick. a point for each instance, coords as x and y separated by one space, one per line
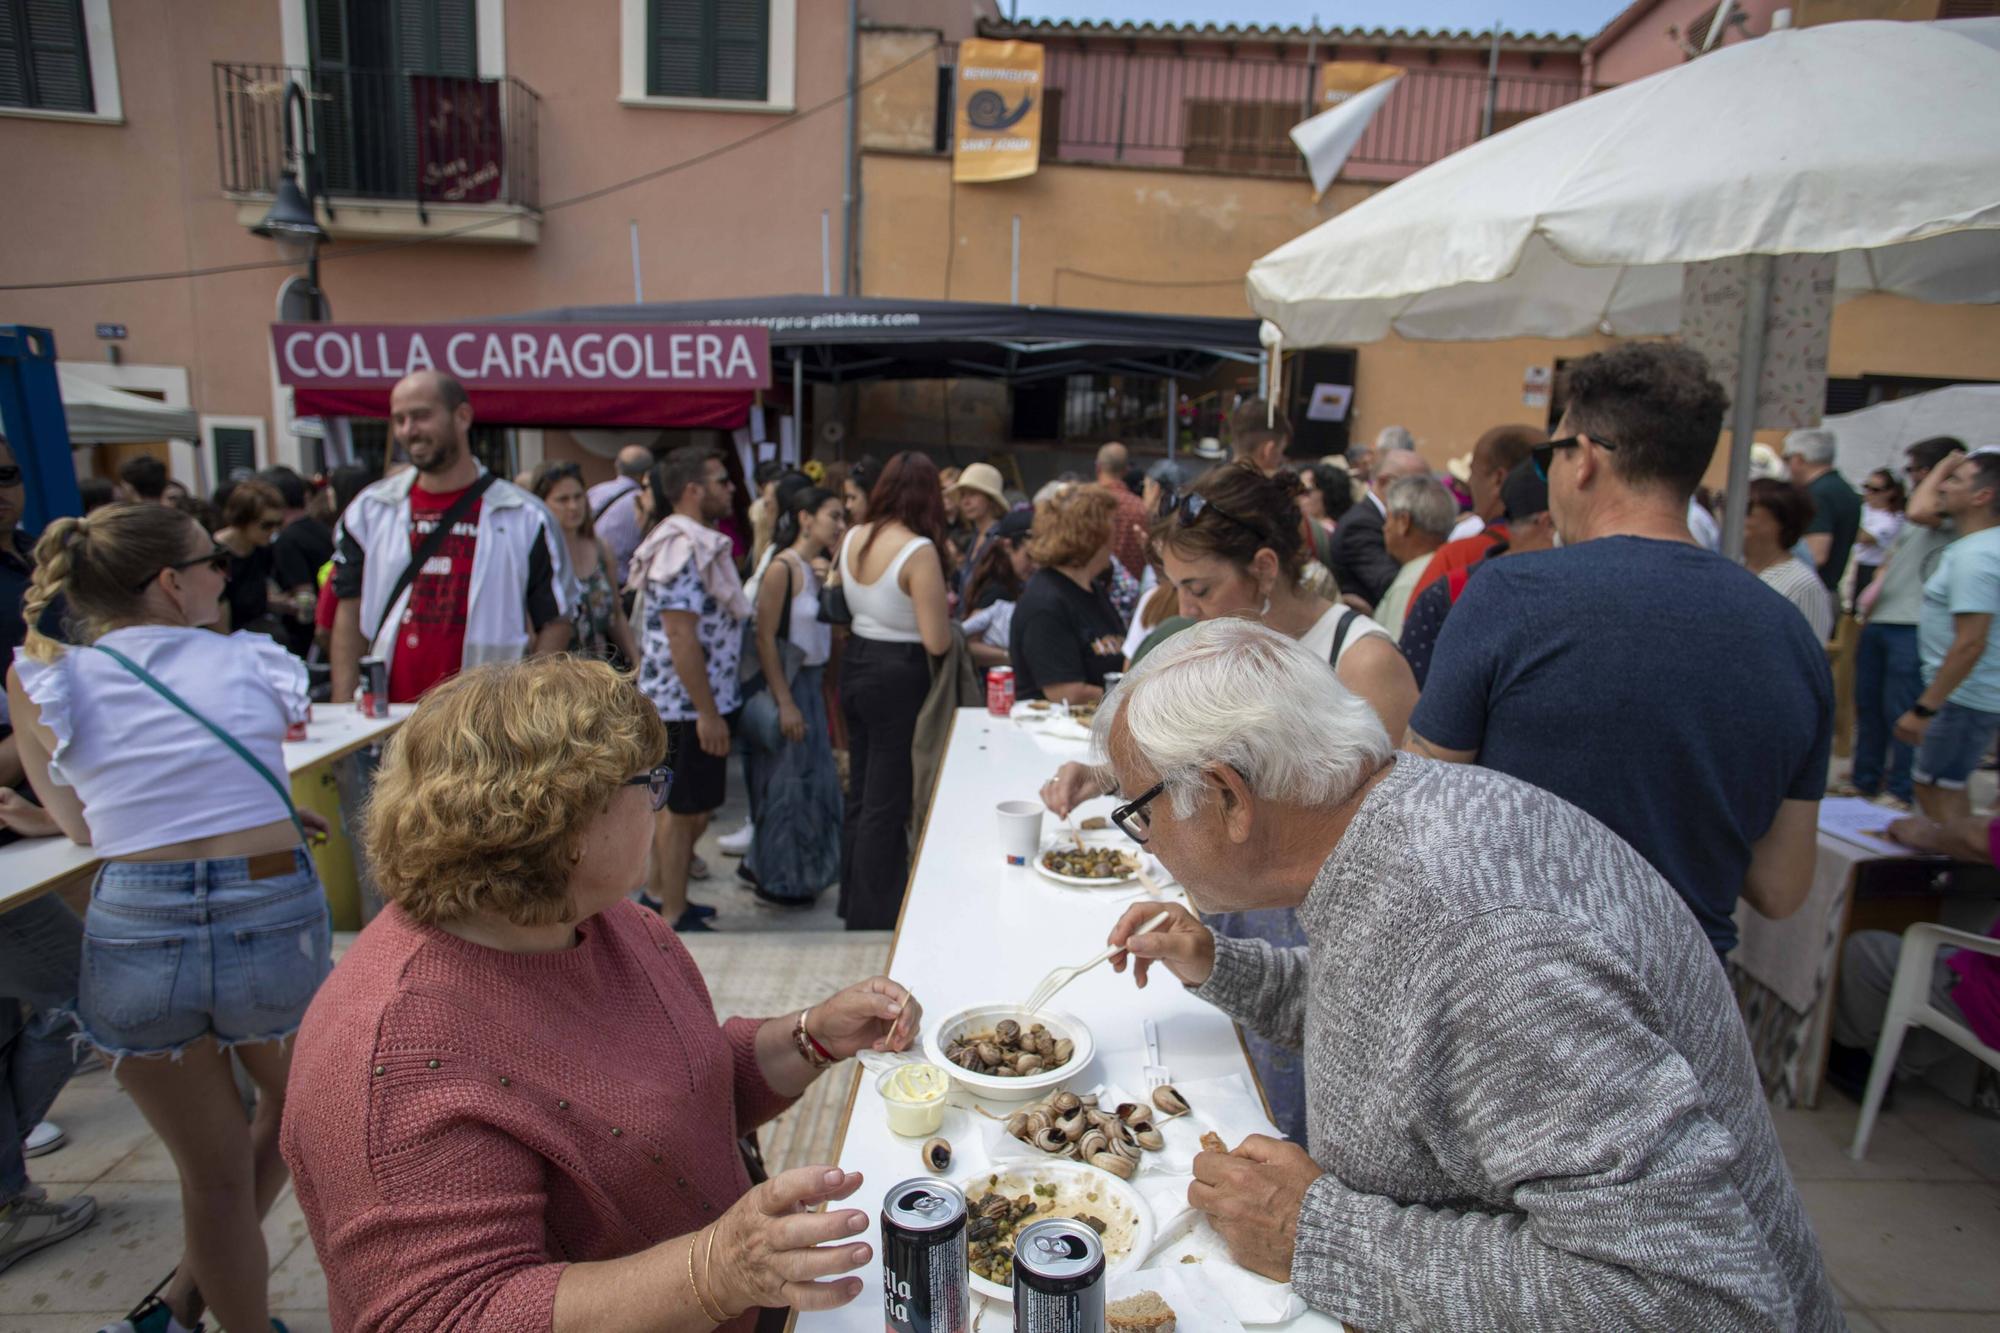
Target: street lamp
291 221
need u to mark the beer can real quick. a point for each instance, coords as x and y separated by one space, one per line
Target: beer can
374 687
296 731
925 1286
1058 1278
1000 691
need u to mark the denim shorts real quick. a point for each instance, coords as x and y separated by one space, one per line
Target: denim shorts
174 951
1956 742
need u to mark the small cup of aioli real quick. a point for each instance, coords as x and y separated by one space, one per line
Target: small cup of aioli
915 1096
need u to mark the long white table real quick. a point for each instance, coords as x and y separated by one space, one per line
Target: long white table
33 866
975 930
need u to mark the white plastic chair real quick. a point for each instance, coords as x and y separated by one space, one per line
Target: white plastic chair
1910 1006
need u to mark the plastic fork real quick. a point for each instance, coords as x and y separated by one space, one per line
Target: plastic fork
1062 976
1155 1073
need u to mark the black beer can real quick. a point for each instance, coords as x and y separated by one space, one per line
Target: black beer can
1058 1278
374 687
925 1287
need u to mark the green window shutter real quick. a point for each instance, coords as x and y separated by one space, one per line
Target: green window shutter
708 48
742 49
44 57
437 37
676 41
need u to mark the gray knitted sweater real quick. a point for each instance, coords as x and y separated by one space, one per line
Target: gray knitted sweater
1526 1080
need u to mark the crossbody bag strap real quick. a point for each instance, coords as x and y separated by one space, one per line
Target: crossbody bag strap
605 508
284 792
432 543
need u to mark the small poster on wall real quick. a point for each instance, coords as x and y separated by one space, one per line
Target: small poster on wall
1330 402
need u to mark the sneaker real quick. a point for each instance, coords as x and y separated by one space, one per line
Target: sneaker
747 877
697 868
692 923
737 843
43 1138
30 1223
153 1316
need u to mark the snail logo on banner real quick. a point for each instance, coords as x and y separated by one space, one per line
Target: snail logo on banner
1350 93
998 131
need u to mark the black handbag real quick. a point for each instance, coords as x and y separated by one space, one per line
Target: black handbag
833 596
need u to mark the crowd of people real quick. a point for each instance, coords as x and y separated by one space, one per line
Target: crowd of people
1507 743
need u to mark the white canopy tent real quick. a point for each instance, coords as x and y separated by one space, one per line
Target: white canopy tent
99 414
1876 142
1873 437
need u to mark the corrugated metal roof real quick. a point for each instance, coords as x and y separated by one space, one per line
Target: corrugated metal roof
1274 33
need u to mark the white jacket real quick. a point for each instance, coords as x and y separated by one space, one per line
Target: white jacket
511 521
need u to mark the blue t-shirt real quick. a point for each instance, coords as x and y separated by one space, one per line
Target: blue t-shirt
1656 685
1966 582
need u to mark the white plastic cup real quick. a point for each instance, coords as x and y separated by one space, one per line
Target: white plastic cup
1020 831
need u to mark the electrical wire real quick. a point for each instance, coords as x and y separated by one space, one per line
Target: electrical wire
382 247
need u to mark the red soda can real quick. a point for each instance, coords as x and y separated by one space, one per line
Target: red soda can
1000 691
296 731
374 687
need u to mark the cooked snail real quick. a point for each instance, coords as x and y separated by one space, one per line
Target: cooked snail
937 1156
1169 1100
1068 1125
1007 1050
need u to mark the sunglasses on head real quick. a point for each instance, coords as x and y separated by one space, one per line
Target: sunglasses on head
1189 508
217 560
1545 454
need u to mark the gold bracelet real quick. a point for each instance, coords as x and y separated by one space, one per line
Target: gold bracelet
708 1267
706 1313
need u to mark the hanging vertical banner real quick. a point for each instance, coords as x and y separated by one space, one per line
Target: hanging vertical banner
997 135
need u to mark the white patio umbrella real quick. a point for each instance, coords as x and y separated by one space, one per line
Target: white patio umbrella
1878 142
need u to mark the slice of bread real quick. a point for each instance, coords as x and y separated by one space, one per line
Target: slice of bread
1145 1312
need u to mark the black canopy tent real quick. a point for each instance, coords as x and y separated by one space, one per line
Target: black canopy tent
843 340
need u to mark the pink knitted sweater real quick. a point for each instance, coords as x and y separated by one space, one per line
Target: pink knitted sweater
463 1123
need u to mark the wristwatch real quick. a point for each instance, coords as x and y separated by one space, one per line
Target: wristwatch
1921 711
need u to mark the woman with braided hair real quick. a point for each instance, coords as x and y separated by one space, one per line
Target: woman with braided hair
159 743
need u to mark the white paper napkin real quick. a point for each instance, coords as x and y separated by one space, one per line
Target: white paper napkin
1254 1299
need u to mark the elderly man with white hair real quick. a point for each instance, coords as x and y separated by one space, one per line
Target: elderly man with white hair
1531 1099
1836 504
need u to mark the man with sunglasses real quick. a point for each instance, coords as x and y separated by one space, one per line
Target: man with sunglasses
1530 1101
1658 686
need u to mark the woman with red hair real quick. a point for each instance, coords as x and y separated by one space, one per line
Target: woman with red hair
893 576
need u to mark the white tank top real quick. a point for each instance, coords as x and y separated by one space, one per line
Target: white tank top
882 610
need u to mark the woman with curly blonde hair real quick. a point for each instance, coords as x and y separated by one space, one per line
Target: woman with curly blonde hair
513 1107
207 931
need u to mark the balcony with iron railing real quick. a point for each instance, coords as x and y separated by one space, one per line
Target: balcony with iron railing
392 154
1234 115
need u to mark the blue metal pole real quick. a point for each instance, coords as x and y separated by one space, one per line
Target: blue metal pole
31 412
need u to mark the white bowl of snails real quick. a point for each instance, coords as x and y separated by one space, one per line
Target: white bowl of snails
1036 1052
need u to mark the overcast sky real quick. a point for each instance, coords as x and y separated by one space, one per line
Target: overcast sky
1578 16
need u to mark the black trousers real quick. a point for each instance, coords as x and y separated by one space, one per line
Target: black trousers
882 689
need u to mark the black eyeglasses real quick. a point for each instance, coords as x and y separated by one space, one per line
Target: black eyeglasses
1132 819
657 784
10 474
1545 454
217 560
1190 507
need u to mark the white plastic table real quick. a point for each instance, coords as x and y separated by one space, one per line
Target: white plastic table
975 930
33 866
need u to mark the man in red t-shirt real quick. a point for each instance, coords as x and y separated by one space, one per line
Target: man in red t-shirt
430 416
1128 527
1498 452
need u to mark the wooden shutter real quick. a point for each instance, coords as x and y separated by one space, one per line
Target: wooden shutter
1052 100
44 58
332 111
708 48
675 59
437 37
